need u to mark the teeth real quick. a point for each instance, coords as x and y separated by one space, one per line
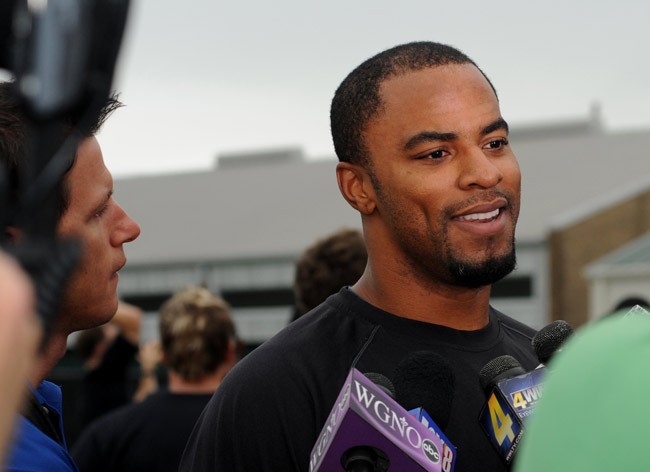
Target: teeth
480 216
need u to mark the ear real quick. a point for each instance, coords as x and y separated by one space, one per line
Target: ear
356 187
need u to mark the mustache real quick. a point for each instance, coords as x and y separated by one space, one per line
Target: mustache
484 196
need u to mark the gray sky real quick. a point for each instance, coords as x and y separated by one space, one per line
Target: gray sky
205 77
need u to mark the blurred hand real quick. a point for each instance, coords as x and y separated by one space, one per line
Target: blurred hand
150 356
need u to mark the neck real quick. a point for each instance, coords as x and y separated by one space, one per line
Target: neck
207 384
407 296
51 354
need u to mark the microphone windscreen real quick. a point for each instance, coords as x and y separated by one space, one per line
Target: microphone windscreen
549 339
424 379
497 369
382 382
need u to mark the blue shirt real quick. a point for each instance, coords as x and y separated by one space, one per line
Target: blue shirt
35 451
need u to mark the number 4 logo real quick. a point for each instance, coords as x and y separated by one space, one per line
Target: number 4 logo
501 422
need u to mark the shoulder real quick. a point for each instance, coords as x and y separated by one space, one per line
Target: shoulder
118 421
34 451
283 391
514 328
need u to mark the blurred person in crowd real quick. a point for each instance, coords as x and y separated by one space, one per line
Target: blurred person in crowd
331 263
199 347
108 352
20 332
87 211
149 358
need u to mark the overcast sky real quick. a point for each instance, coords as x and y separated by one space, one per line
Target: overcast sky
207 77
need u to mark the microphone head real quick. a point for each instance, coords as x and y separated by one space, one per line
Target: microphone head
549 339
382 382
424 379
499 368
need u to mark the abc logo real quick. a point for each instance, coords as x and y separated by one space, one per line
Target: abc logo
431 451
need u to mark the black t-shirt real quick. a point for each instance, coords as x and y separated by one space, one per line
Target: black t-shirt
270 409
142 437
105 387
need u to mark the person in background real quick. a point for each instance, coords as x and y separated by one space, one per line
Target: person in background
108 352
149 358
331 263
198 344
87 211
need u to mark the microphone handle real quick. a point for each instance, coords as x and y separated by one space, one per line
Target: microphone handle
360 459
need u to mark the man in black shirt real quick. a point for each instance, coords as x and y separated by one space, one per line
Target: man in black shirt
424 158
198 342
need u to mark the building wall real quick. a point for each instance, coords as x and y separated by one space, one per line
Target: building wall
530 308
607 292
574 246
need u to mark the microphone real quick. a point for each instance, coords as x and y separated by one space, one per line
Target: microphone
425 384
512 394
364 458
382 382
548 340
368 431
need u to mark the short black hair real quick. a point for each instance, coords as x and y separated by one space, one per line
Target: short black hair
358 99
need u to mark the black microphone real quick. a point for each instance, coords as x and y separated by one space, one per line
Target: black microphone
424 379
499 368
382 382
425 384
511 396
548 340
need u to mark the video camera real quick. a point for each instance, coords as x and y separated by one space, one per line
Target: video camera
62 55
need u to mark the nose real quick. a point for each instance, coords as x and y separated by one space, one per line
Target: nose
479 170
126 229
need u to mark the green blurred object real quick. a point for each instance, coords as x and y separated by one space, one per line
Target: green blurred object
594 414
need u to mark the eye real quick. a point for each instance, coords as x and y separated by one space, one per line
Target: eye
497 144
435 155
101 211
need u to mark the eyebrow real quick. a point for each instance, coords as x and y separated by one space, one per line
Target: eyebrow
496 125
428 136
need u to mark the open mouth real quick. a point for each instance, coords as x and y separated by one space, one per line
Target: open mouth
481 217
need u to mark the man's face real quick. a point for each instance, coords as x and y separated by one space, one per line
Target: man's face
94 217
446 180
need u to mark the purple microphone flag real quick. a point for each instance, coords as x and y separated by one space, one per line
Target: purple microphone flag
364 415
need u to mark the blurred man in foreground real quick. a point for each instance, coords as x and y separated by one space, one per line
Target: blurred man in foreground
20 332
